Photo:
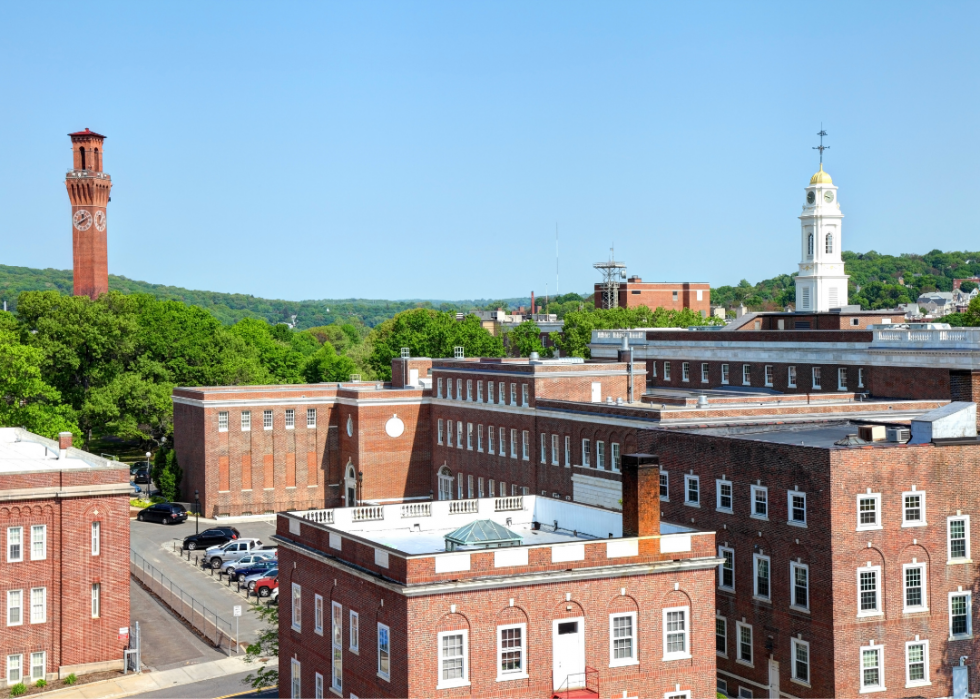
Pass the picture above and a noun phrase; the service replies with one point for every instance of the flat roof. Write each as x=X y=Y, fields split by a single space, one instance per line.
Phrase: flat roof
x=824 y=434
x=22 y=451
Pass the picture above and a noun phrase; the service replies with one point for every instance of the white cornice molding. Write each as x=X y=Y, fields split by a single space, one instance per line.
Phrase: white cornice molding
x=276 y=402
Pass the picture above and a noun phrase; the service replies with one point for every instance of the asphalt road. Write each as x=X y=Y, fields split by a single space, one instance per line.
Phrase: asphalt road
x=167 y=641
x=224 y=687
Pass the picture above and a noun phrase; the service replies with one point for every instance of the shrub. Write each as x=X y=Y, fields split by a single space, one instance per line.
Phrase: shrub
x=71 y=679
x=18 y=689
x=41 y=683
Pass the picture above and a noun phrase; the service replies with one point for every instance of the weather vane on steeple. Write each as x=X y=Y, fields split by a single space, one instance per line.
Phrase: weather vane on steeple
x=821 y=147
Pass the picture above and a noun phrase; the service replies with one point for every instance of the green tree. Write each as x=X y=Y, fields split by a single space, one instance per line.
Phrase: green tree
x=969 y=318
x=326 y=365
x=283 y=363
x=524 y=339
x=265 y=646
x=574 y=339
x=967 y=287
x=166 y=473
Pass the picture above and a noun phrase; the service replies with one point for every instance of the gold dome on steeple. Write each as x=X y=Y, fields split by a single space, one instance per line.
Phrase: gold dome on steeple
x=821 y=177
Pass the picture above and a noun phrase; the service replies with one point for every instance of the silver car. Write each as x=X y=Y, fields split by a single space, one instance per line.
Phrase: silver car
x=216 y=556
x=229 y=567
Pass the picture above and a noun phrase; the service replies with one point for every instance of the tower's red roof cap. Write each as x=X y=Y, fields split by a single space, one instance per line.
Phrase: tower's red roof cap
x=87 y=132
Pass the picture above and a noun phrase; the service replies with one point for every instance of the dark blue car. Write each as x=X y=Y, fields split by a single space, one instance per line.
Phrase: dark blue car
x=257 y=567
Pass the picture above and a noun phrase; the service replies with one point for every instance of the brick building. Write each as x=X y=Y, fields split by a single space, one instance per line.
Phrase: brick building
x=509 y=596
x=88 y=190
x=64 y=515
x=673 y=296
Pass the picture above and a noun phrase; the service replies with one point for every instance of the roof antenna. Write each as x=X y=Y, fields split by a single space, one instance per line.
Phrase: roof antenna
x=821 y=147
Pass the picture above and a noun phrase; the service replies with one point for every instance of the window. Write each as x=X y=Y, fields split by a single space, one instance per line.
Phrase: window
x=469 y=436
x=676 y=633
x=914 y=509
x=615 y=456
x=746 y=374
x=459 y=434
x=223 y=421
x=489 y=391
x=860 y=376
x=449 y=433
x=15 y=607
x=692 y=490
x=490 y=432
x=479 y=391
x=871 y=675
x=318 y=685
x=568 y=452
x=842 y=378
x=459 y=389
x=869 y=507
x=14 y=668
x=479 y=489
x=38 y=666
x=384 y=652
x=800 y=651
x=290 y=418
x=600 y=455
x=96 y=538
x=15 y=544
x=768 y=374
x=469 y=389
x=355 y=632
x=318 y=614
x=524 y=400
x=760 y=502
x=869 y=591
x=761 y=577
x=525 y=446
x=267 y=419
x=914 y=575
x=479 y=438
x=653 y=368
x=723 y=495
x=816 y=377
x=469 y=487
x=809 y=250
x=704 y=372
x=685 y=371
x=799 y=575
x=337 y=646
x=96 y=600
x=675 y=295
x=311 y=417
x=916 y=663
x=666 y=371
x=791 y=377
x=829 y=243
x=459 y=486
x=744 y=643
x=724 y=373
x=246 y=420
x=39 y=605
x=513 y=394
x=453 y=661
x=490 y=487
x=796 y=503
x=958 y=538
x=503 y=442
x=554 y=450
x=726 y=571
x=586 y=455
x=295 y=670
x=297 y=608
x=39 y=542
x=721 y=636
x=500 y=392
x=439 y=431
x=960 y=611
x=664 y=486
x=439 y=388
x=510 y=651
x=622 y=639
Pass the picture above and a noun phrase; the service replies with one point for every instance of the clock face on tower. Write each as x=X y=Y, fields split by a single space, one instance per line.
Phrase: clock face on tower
x=828 y=196
x=810 y=197
x=100 y=221
x=82 y=220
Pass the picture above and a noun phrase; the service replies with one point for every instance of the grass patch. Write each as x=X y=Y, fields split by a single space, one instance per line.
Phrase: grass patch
x=135 y=502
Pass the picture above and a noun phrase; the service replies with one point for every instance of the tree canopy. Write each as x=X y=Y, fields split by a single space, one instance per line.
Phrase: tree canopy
x=574 y=339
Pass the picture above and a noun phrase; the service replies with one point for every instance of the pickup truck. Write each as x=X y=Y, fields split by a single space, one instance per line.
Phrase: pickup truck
x=216 y=556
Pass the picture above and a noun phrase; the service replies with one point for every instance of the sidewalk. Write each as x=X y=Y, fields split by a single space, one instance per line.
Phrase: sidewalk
x=151 y=681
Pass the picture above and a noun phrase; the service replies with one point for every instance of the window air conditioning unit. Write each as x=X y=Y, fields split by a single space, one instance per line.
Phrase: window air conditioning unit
x=899 y=434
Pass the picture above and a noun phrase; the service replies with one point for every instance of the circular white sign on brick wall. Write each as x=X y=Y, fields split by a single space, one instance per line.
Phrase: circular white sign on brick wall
x=395 y=427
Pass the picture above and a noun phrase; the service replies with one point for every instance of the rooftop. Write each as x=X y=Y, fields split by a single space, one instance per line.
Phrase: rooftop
x=22 y=451
x=824 y=435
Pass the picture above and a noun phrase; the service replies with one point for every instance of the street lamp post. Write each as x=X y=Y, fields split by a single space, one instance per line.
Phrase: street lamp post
x=197 y=514
x=149 y=481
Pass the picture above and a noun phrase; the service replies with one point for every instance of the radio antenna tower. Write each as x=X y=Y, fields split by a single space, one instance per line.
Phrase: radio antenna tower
x=612 y=272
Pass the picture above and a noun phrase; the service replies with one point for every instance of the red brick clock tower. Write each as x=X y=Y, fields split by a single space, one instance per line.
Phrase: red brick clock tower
x=88 y=190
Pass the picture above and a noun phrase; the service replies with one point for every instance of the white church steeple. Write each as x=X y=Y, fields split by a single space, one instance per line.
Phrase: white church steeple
x=821 y=284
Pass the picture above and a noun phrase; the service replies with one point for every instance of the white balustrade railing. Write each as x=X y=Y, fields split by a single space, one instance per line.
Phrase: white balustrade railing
x=599 y=335
x=459 y=507
x=417 y=509
x=367 y=513
x=969 y=337
x=321 y=516
x=508 y=503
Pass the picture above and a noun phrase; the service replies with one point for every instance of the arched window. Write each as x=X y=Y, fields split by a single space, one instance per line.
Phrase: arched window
x=350 y=487
x=809 y=245
x=445 y=484
x=96 y=164
x=830 y=243
x=82 y=153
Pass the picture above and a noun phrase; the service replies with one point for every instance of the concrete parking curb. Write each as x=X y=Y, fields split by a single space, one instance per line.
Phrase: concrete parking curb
x=128 y=685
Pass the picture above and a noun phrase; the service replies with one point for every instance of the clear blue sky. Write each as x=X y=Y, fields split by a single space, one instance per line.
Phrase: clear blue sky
x=426 y=150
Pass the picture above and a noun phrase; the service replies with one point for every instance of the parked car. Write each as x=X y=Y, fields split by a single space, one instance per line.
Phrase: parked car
x=211 y=537
x=142 y=476
x=216 y=556
x=267 y=586
x=135 y=489
x=254 y=558
x=139 y=466
x=274 y=597
x=252 y=580
x=164 y=512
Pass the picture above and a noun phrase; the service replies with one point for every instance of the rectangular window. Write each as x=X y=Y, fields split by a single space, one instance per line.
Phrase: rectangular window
x=479 y=487
x=685 y=371
x=723 y=495
x=760 y=502
x=842 y=378
x=664 y=486
x=453 y=662
x=223 y=421
x=768 y=374
x=15 y=544
x=502 y=387
x=384 y=652
x=290 y=418
x=297 y=602
x=311 y=417
x=524 y=396
x=554 y=450
x=459 y=389
x=439 y=388
x=666 y=371
x=490 y=488
x=318 y=614
x=38 y=666
x=355 y=632
x=871 y=675
x=96 y=538
x=469 y=487
x=726 y=571
x=469 y=436
x=490 y=433
x=816 y=377
x=791 y=377
x=568 y=452
x=724 y=373
x=266 y=419
x=39 y=542
x=39 y=605
x=246 y=420
x=860 y=378
x=15 y=607
x=96 y=600
x=439 y=431
x=449 y=433
x=544 y=448
x=914 y=575
x=914 y=509
x=469 y=389
x=615 y=456
x=800 y=651
x=295 y=671
x=600 y=455
x=960 y=613
x=14 y=669
x=692 y=490
x=916 y=663
x=318 y=685
x=513 y=394
x=676 y=633
x=459 y=434
x=746 y=374
x=337 y=646
x=704 y=372
x=511 y=651
x=513 y=443
x=586 y=455
x=796 y=504
x=869 y=591
x=744 y=643
x=761 y=577
x=479 y=438
x=868 y=507
x=479 y=391
x=503 y=442
x=489 y=391
x=958 y=538
x=721 y=636
x=459 y=486
x=622 y=639
x=799 y=575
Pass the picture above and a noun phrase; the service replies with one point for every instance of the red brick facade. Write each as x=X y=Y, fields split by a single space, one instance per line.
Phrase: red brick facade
x=670 y=295
x=88 y=189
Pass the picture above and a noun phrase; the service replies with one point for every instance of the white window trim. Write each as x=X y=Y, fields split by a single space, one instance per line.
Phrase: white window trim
x=719 y=617
x=793 y=565
x=297 y=591
x=705 y=372
x=861 y=380
x=469 y=436
x=691 y=503
x=223 y=417
x=814 y=380
x=439 y=431
x=755 y=576
x=881 y=669
x=317 y=685
x=245 y=420
x=949 y=541
x=718 y=484
x=295 y=679
x=600 y=455
x=20 y=668
x=385 y=677
x=841 y=374
x=746 y=374
x=290 y=418
x=687 y=634
x=925 y=662
x=789 y=509
x=868 y=496
x=502 y=677
x=721 y=567
x=354 y=632
x=11 y=607
x=685 y=371
x=44 y=542
x=622 y=662
x=969 y=614
x=464 y=681
x=318 y=614
x=555 y=456
x=924 y=607
x=880 y=584
x=665 y=498
x=768 y=375
x=793 y=643
x=96 y=600
x=791 y=377
x=738 y=644
x=725 y=373
x=311 y=413
x=922 y=522
x=96 y=535
x=752 y=491
x=272 y=419
x=20 y=557
x=30 y=665
x=44 y=605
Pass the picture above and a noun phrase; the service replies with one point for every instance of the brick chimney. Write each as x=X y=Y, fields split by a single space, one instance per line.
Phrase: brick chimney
x=64 y=444
x=641 y=495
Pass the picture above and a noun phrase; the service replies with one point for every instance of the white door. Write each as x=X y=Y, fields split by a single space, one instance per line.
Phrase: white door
x=773 y=679
x=961 y=682
x=413 y=377
x=596 y=392
x=568 y=651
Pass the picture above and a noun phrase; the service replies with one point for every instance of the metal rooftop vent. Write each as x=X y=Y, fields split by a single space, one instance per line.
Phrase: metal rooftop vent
x=482 y=534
